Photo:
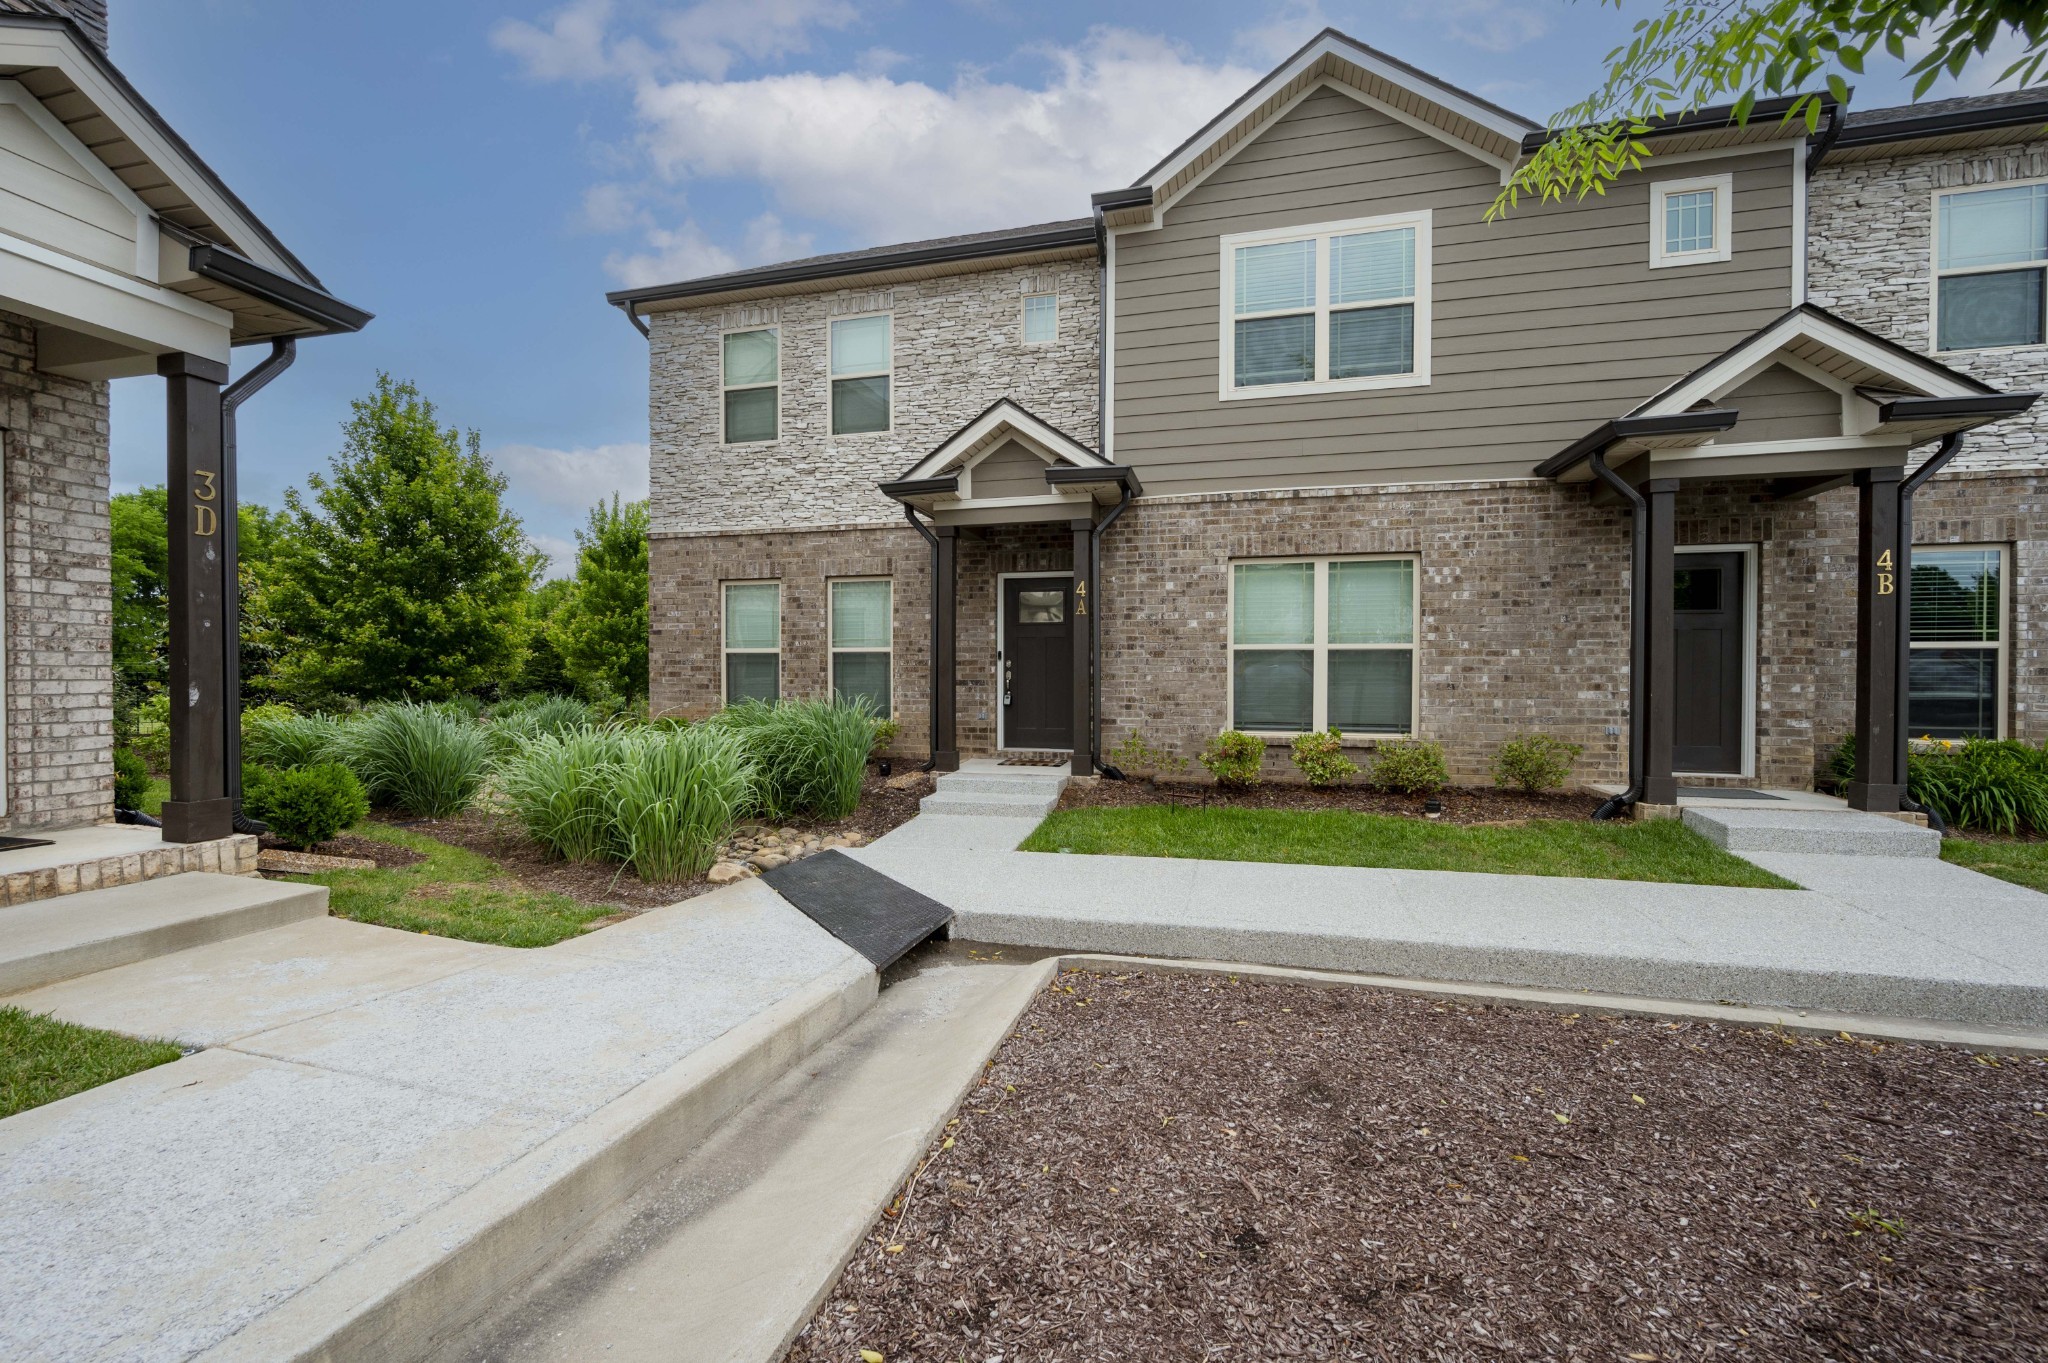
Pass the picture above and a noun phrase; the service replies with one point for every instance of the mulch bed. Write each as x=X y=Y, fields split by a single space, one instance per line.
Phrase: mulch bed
x=1173 y=1167
x=1462 y=804
x=384 y=854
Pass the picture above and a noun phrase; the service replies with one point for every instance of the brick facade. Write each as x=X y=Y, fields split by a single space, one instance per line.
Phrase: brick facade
x=58 y=628
x=958 y=346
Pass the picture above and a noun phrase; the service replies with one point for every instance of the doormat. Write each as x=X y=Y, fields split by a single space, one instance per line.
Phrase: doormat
x=1717 y=793
x=1035 y=759
x=876 y=916
x=16 y=844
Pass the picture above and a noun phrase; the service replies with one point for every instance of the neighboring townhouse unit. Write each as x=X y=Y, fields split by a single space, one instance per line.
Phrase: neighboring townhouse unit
x=1287 y=436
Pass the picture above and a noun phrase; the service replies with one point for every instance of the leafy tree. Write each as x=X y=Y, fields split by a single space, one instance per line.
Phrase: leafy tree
x=544 y=670
x=406 y=575
x=1695 y=54
x=603 y=631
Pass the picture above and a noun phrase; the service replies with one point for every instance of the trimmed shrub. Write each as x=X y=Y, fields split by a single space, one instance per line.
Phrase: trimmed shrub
x=812 y=755
x=1139 y=757
x=1320 y=758
x=676 y=795
x=305 y=806
x=277 y=736
x=886 y=731
x=1996 y=786
x=131 y=778
x=559 y=787
x=1535 y=762
x=1413 y=766
x=1234 y=758
x=418 y=759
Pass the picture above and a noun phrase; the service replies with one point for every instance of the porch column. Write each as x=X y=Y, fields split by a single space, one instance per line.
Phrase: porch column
x=945 y=694
x=1660 y=716
x=1879 y=784
x=198 y=808
x=1083 y=763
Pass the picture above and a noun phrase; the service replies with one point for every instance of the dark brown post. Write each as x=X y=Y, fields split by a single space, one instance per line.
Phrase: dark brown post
x=1660 y=715
x=945 y=599
x=198 y=808
x=1083 y=763
x=1878 y=785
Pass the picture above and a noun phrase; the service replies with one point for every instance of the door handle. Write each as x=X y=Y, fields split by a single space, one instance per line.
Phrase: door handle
x=1006 y=681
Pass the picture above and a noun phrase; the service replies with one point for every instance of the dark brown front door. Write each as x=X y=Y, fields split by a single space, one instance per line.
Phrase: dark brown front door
x=1707 y=653
x=1037 y=663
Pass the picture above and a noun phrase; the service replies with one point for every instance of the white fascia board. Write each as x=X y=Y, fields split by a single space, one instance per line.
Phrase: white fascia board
x=52 y=287
x=1021 y=423
x=56 y=48
x=1759 y=353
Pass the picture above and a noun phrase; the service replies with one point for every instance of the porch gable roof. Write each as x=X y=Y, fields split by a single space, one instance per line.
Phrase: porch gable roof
x=1073 y=472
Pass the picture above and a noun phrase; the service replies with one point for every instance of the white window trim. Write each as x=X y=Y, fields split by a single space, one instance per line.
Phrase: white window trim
x=2004 y=649
x=724 y=387
x=1226 y=379
x=1319 y=709
x=1746 y=768
x=1723 y=187
x=1023 y=317
x=888 y=373
x=1935 y=274
x=725 y=651
x=833 y=650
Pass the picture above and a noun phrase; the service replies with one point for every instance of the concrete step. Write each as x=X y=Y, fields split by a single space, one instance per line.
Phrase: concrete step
x=724 y=1256
x=1828 y=832
x=1034 y=806
x=991 y=783
x=78 y=934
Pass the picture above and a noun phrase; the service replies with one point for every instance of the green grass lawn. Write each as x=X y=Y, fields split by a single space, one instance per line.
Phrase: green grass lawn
x=42 y=1059
x=1662 y=849
x=153 y=798
x=2022 y=863
x=452 y=893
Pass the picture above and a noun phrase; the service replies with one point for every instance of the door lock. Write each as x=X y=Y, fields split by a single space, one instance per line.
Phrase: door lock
x=1006 y=681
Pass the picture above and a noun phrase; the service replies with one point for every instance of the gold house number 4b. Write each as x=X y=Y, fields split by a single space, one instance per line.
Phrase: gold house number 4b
x=1885 y=577
x=205 y=520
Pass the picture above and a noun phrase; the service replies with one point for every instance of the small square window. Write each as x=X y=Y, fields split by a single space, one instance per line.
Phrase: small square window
x=1691 y=221
x=1041 y=319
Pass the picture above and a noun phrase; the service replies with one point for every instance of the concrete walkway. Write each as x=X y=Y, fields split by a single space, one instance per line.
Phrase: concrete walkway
x=388 y=1128
x=1888 y=936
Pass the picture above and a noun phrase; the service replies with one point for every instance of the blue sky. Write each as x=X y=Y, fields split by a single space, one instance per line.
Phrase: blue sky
x=479 y=172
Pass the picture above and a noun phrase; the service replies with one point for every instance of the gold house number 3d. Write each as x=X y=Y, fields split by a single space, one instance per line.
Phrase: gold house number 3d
x=205 y=520
x=1884 y=573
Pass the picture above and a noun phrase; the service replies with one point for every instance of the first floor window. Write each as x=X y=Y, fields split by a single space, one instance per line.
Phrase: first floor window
x=1957 y=672
x=862 y=361
x=1317 y=643
x=751 y=375
x=1991 y=267
x=753 y=641
x=860 y=630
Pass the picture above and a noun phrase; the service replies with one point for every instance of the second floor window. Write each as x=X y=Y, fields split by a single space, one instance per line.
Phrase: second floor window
x=1691 y=221
x=1991 y=267
x=1326 y=308
x=750 y=378
x=1041 y=318
x=861 y=365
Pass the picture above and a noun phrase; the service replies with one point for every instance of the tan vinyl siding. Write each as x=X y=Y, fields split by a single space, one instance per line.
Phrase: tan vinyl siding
x=1779 y=404
x=1011 y=471
x=47 y=197
x=1544 y=324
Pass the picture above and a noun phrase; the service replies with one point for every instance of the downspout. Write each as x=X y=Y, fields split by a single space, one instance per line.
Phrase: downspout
x=634 y=317
x=1639 y=623
x=1951 y=444
x=931 y=729
x=283 y=351
x=1095 y=637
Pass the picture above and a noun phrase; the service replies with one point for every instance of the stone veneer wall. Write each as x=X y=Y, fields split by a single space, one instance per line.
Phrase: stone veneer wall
x=1870 y=259
x=958 y=348
x=59 y=595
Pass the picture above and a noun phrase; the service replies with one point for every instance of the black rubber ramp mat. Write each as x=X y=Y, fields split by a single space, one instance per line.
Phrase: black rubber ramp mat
x=876 y=916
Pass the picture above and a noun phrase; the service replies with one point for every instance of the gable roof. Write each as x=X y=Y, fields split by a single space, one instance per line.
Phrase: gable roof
x=1001 y=421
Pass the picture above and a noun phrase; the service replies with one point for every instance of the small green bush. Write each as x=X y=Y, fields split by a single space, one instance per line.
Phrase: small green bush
x=1535 y=762
x=423 y=760
x=277 y=736
x=131 y=779
x=886 y=732
x=812 y=755
x=1413 y=766
x=1140 y=758
x=1234 y=758
x=1320 y=758
x=305 y=806
x=1996 y=786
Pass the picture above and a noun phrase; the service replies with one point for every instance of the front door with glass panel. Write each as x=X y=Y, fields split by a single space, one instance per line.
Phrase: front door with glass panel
x=1707 y=662
x=1037 y=664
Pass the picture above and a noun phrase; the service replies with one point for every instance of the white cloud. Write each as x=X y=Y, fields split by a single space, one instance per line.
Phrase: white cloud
x=1281 y=33
x=572 y=47
x=573 y=480
x=705 y=39
x=1489 y=25
x=685 y=252
x=561 y=553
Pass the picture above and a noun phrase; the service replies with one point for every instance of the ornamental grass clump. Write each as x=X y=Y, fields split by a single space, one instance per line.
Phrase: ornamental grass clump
x=529 y=717
x=424 y=760
x=812 y=755
x=278 y=736
x=559 y=787
x=1534 y=762
x=676 y=794
x=1413 y=766
x=1320 y=758
x=1993 y=786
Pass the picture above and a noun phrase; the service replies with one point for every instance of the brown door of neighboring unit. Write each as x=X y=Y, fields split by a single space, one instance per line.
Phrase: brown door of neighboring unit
x=1707 y=654
x=1037 y=663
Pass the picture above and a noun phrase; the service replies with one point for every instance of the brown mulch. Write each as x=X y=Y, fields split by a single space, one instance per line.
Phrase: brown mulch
x=1462 y=804
x=351 y=845
x=1163 y=1167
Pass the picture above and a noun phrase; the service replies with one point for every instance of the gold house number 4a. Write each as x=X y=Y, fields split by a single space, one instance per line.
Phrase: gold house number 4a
x=1885 y=577
x=205 y=520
